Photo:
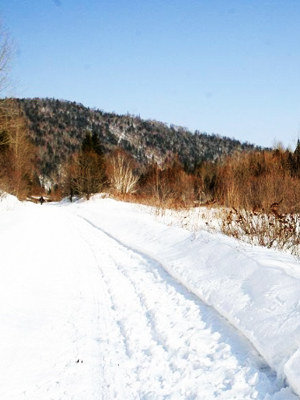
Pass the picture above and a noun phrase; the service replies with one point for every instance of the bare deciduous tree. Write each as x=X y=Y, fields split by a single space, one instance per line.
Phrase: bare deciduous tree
x=169 y=185
x=83 y=175
x=120 y=171
x=90 y=175
x=16 y=150
x=5 y=56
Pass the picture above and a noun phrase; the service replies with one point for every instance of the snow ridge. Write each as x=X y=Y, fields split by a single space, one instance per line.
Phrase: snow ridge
x=256 y=290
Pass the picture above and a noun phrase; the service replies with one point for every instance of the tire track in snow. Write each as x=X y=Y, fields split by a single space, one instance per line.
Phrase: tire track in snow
x=173 y=344
x=110 y=347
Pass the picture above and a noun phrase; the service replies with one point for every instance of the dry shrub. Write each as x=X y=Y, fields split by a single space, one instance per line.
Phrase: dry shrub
x=267 y=229
x=205 y=175
x=252 y=181
x=168 y=187
x=249 y=184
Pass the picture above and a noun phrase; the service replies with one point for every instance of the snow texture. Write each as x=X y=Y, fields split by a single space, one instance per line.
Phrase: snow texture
x=101 y=300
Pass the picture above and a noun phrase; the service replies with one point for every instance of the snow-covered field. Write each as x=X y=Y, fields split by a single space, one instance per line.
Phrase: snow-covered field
x=104 y=300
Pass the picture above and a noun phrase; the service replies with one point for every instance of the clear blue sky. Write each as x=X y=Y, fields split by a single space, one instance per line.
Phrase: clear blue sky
x=220 y=66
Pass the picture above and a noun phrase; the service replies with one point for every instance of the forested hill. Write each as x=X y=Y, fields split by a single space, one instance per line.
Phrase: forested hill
x=58 y=127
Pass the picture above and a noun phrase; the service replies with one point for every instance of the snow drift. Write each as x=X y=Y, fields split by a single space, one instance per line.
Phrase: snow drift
x=256 y=289
x=8 y=202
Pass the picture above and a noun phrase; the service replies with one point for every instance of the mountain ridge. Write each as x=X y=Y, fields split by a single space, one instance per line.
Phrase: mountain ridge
x=58 y=127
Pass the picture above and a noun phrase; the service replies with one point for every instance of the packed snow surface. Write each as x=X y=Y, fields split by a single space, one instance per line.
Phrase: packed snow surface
x=103 y=300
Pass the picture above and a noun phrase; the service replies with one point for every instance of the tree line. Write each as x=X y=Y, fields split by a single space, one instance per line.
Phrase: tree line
x=250 y=181
x=244 y=180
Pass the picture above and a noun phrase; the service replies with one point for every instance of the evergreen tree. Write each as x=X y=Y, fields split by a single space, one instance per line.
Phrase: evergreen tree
x=297 y=158
x=87 y=144
x=297 y=150
x=92 y=143
x=96 y=146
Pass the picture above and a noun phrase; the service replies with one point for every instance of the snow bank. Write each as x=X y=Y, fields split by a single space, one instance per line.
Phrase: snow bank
x=256 y=289
x=8 y=202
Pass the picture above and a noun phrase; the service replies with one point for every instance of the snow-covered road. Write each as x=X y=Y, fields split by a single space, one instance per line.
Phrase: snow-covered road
x=85 y=317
